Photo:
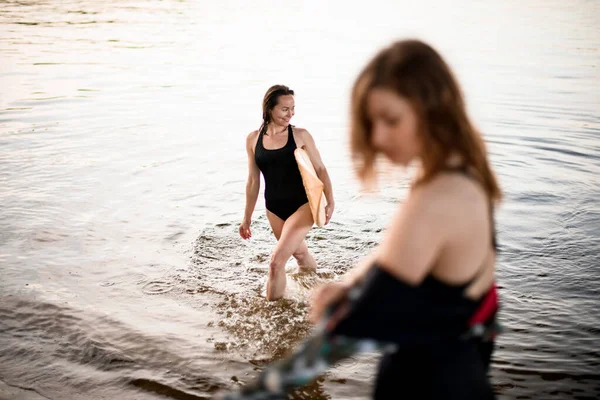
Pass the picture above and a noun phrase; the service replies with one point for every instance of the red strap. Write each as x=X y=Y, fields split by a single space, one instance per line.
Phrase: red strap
x=489 y=306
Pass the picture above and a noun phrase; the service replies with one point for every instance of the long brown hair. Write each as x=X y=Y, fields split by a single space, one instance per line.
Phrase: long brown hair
x=415 y=71
x=270 y=100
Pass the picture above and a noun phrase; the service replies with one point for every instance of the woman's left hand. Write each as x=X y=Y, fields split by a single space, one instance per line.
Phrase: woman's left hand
x=323 y=297
x=329 y=212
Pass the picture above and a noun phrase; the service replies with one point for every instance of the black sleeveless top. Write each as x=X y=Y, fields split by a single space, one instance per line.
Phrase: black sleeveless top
x=387 y=309
x=279 y=168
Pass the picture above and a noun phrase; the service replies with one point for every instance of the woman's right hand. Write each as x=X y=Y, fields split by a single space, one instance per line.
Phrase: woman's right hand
x=324 y=297
x=245 y=232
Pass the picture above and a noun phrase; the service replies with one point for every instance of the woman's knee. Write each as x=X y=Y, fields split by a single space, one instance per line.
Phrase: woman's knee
x=301 y=255
x=277 y=263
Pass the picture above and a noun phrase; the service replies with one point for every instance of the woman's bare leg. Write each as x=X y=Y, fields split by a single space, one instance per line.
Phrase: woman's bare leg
x=305 y=260
x=291 y=237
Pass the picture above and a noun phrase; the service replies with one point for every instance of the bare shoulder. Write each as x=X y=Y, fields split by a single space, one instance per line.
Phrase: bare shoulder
x=301 y=131
x=454 y=197
x=302 y=136
x=252 y=136
x=251 y=139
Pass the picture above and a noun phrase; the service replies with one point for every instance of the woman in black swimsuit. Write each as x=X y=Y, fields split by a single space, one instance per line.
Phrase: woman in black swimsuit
x=429 y=285
x=271 y=151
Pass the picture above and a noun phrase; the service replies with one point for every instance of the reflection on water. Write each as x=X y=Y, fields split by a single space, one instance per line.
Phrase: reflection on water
x=122 y=175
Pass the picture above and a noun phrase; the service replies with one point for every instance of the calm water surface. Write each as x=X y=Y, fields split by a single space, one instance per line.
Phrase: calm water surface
x=122 y=174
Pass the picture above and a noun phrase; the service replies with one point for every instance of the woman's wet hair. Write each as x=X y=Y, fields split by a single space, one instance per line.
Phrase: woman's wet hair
x=270 y=100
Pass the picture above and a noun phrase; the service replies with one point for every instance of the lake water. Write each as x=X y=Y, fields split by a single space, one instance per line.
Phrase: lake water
x=122 y=178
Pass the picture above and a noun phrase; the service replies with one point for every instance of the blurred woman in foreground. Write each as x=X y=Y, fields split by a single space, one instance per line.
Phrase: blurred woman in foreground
x=429 y=285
